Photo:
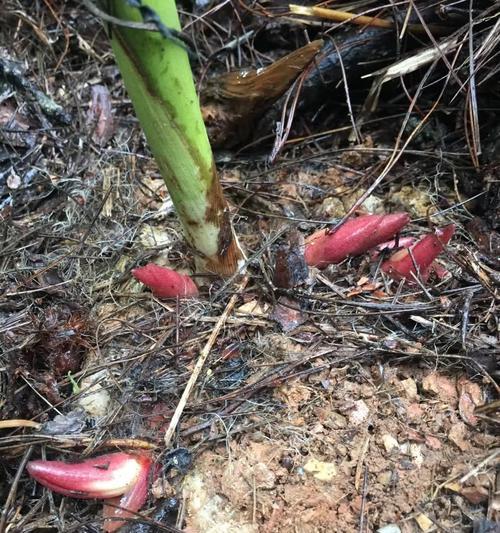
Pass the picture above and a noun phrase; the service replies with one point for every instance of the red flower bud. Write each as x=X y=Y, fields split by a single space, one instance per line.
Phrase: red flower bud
x=133 y=500
x=354 y=237
x=402 y=264
x=165 y=282
x=101 y=477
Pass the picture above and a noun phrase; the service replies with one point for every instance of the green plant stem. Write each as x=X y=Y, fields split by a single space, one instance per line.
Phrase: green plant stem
x=158 y=78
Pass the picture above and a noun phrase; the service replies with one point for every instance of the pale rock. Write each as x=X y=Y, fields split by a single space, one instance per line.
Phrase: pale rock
x=389 y=528
x=358 y=413
x=332 y=208
x=424 y=523
x=416 y=454
x=385 y=478
x=390 y=443
x=409 y=388
x=93 y=397
x=321 y=470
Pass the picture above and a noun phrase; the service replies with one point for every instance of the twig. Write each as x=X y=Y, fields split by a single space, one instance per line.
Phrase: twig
x=231 y=45
x=156 y=26
x=361 y=460
x=471 y=109
x=478 y=467
x=360 y=20
x=469 y=474
x=363 y=501
x=18 y=423
x=465 y=316
x=347 y=96
x=265 y=246
x=133 y=24
x=15 y=77
x=200 y=363
x=13 y=488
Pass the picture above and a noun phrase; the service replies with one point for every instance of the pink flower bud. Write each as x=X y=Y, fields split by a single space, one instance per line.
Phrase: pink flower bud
x=354 y=237
x=133 y=500
x=402 y=264
x=106 y=476
x=165 y=282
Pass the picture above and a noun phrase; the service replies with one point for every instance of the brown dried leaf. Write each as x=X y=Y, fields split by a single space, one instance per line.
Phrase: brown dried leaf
x=288 y=314
x=442 y=386
x=290 y=267
x=100 y=115
x=475 y=495
x=459 y=436
x=471 y=397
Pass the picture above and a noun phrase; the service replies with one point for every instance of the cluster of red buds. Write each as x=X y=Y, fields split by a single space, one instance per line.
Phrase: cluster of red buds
x=368 y=233
x=120 y=479
x=373 y=233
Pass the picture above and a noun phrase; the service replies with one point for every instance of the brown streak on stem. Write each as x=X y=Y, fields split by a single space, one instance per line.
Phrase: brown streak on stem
x=225 y=261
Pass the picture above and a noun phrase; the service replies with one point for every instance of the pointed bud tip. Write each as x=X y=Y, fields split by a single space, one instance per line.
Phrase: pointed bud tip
x=131 y=502
x=101 y=477
x=401 y=265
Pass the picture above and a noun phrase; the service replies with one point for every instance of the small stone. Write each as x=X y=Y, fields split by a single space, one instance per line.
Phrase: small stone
x=94 y=398
x=423 y=522
x=321 y=470
x=414 y=411
x=332 y=208
x=441 y=386
x=389 y=528
x=13 y=181
x=416 y=454
x=358 y=412
x=458 y=435
x=409 y=388
x=390 y=443
x=341 y=450
x=385 y=478
x=287 y=462
x=336 y=421
x=466 y=408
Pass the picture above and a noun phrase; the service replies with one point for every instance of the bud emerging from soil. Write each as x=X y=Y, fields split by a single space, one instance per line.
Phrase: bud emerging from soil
x=133 y=500
x=106 y=476
x=164 y=282
x=354 y=237
x=404 y=263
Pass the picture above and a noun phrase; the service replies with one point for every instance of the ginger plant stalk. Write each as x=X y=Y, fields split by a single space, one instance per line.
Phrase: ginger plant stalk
x=158 y=78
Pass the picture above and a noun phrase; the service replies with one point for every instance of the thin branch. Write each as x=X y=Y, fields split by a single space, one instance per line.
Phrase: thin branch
x=201 y=363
